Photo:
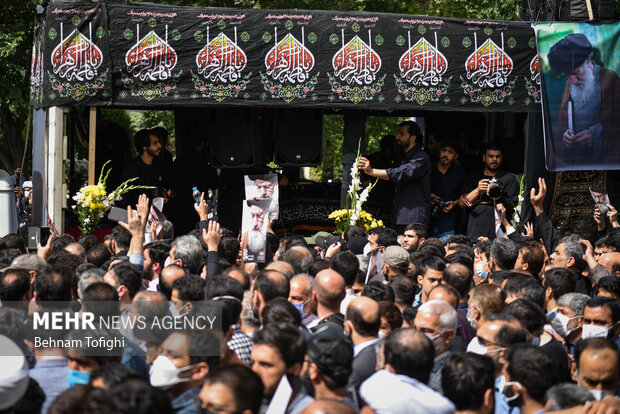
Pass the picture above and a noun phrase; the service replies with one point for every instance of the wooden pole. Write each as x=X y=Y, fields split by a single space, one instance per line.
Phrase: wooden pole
x=92 y=134
x=590 y=14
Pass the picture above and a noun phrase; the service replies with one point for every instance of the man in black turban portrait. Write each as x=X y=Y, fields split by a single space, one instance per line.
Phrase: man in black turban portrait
x=591 y=99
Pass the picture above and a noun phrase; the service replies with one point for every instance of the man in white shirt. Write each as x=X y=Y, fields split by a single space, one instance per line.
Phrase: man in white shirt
x=400 y=387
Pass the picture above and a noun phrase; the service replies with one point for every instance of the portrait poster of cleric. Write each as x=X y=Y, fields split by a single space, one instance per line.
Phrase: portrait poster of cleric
x=579 y=64
x=254 y=230
x=260 y=187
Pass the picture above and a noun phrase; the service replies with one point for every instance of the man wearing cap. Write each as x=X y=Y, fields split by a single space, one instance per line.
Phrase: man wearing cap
x=33 y=263
x=328 y=364
x=593 y=94
x=395 y=262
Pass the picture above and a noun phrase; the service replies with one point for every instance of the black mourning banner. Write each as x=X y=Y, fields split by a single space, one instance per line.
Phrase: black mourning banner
x=71 y=60
x=144 y=55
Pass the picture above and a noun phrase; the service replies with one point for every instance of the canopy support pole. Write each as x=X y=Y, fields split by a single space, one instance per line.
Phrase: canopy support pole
x=92 y=140
x=56 y=156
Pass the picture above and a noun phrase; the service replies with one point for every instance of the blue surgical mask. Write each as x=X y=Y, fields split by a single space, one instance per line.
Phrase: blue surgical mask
x=77 y=377
x=480 y=271
x=300 y=307
x=536 y=341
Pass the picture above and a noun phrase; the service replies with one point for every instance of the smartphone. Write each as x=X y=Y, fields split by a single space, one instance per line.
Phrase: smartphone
x=118 y=214
x=37 y=235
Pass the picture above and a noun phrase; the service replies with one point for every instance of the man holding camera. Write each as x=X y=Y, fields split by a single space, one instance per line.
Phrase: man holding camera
x=446 y=182
x=486 y=192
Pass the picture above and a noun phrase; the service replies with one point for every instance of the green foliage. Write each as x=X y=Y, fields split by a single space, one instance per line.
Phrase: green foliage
x=155 y=118
x=377 y=127
x=122 y=118
x=331 y=169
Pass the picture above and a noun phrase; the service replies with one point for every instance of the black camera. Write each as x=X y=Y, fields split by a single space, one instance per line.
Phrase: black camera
x=438 y=206
x=495 y=188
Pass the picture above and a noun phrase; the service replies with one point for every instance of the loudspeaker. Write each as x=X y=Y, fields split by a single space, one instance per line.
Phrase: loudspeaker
x=235 y=137
x=298 y=135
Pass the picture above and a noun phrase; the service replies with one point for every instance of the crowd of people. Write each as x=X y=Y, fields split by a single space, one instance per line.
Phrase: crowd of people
x=415 y=318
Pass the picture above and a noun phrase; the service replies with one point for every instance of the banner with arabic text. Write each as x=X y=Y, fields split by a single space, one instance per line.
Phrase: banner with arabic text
x=182 y=56
x=71 y=62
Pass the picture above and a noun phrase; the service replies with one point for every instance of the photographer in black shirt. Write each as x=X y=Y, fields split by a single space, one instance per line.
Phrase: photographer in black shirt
x=484 y=191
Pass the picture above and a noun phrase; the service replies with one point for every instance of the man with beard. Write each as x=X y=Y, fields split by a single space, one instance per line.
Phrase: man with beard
x=264 y=189
x=484 y=211
x=446 y=181
x=255 y=238
x=412 y=176
x=592 y=95
x=155 y=255
x=147 y=166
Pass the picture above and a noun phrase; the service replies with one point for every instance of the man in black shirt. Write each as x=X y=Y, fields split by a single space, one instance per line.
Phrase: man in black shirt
x=147 y=166
x=483 y=209
x=446 y=181
x=411 y=175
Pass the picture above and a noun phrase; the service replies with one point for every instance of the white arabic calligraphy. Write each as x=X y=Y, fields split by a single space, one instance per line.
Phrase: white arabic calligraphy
x=76 y=57
x=356 y=61
x=535 y=69
x=488 y=65
x=289 y=60
x=151 y=57
x=221 y=60
x=423 y=63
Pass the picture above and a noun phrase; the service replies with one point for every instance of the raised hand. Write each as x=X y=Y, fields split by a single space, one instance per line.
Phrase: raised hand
x=212 y=236
x=202 y=208
x=537 y=198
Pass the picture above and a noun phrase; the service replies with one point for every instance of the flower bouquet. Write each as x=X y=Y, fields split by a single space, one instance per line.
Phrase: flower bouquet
x=516 y=218
x=353 y=213
x=93 y=201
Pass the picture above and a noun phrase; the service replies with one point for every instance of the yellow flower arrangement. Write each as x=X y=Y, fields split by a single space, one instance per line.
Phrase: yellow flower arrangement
x=365 y=220
x=353 y=213
x=92 y=201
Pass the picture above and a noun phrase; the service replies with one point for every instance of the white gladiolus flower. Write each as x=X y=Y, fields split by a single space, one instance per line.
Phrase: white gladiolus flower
x=364 y=196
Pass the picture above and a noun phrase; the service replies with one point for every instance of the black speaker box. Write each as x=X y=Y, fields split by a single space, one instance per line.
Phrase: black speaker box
x=298 y=136
x=235 y=137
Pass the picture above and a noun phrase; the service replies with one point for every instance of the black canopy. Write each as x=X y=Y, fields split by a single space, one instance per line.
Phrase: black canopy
x=142 y=55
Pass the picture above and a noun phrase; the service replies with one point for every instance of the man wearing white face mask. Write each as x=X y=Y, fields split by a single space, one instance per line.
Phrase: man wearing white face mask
x=600 y=319
x=529 y=374
x=567 y=322
x=185 y=360
x=437 y=320
x=597 y=367
x=494 y=335
x=557 y=282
